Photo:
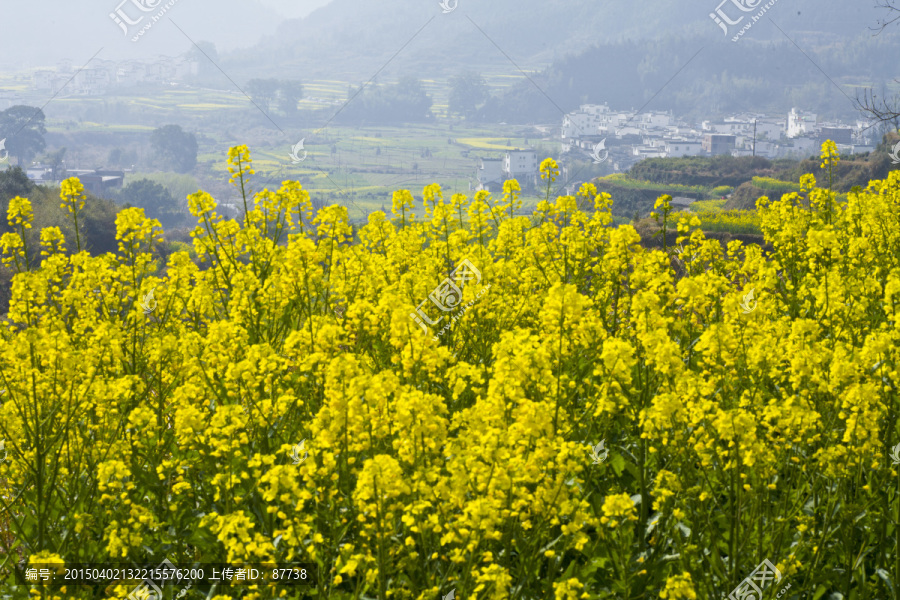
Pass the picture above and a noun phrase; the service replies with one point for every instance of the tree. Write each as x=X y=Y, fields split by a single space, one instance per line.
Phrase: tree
x=886 y=111
x=404 y=101
x=289 y=93
x=121 y=158
x=22 y=128
x=99 y=225
x=893 y=13
x=54 y=160
x=14 y=182
x=174 y=149
x=468 y=91
x=263 y=92
x=206 y=56
x=413 y=103
x=156 y=200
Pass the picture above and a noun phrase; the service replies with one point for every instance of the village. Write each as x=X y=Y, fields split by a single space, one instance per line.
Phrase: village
x=621 y=139
x=613 y=140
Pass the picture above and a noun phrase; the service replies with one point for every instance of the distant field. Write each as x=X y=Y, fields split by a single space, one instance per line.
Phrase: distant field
x=364 y=164
x=89 y=126
x=370 y=163
x=490 y=143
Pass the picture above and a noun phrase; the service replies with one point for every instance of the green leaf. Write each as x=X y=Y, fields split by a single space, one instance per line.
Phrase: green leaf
x=618 y=464
x=886 y=578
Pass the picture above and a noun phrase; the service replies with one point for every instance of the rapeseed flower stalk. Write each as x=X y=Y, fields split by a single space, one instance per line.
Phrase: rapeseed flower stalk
x=72 y=195
x=830 y=158
x=240 y=165
x=13 y=247
x=550 y=171
x=663 y=202
x=679 y=587
x=462 y=461
x=401 y=204
x=19 y=215
x=510 y=201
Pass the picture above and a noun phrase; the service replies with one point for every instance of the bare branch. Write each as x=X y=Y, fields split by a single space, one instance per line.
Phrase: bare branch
x=893 y=13
x=882 y=110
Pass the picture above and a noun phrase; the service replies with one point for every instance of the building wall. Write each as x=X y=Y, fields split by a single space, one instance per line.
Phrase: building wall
x=679 y=149
x=838 y=135
x=800 y=123
x=718 y=144
x=772 y=131
x=491 y=170
x=578 y=124
x=520 y=163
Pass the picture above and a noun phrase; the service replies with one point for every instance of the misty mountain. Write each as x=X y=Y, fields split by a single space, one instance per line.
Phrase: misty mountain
x=692 y=79
x=357 y=38
x=41 y=34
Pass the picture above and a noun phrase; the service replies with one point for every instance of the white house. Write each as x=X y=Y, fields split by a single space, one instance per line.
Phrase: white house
x=90 y=81
x=764 y=148
x=628 y=130
x=727 y=127
x=43 y=79
x=643 y=152
x=652 y=120
x=802 y=147
x=39 y=173
x=771 y=129
x=595 y=110
x=490 y=174
x=130 y=73
x=679 y=148
x=519 y=163
x=799 y=123
x=584 y=121
x=578 y=124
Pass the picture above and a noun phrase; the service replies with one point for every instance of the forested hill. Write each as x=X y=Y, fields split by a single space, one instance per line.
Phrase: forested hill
x=589 y=51
x=358 y=37
x=703 y=80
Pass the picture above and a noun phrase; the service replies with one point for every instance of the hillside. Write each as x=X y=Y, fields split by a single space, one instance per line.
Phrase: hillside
x=711 y=78
x=356 y=38
x=744 y=179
